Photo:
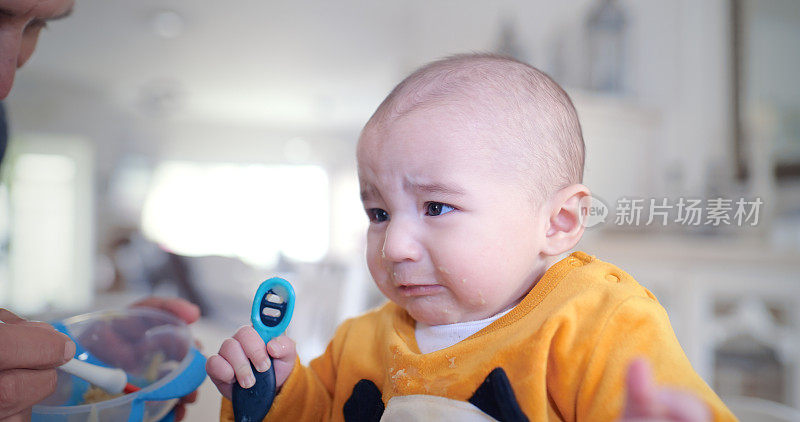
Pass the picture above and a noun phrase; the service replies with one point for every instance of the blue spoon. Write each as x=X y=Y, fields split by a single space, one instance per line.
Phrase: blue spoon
x=272 y=310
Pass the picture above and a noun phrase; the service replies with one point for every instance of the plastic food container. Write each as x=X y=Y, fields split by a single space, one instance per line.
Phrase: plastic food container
x=156 y=350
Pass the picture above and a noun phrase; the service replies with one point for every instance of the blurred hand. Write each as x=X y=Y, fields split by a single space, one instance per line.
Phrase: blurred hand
x=29 y=353
x=189 y=313
x=181 y=308
x=647 y=402
x=232 y=363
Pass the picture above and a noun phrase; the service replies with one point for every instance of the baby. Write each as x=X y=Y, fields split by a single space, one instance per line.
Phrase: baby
x=470 y=175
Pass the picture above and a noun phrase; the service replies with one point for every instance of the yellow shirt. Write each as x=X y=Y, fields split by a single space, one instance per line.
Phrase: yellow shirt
x=565 y=350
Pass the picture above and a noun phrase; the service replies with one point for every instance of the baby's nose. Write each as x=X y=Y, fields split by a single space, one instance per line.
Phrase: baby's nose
x=401 y=243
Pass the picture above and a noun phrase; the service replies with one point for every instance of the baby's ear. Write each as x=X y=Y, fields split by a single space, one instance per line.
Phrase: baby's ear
x=566 y=215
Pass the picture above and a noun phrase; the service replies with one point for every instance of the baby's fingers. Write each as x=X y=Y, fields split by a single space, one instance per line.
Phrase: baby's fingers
x=232 y=352
x=221 y=374
x=282 y=350
x=282 y=347
x=253 y=346
x=641 y=395
x=682 y=406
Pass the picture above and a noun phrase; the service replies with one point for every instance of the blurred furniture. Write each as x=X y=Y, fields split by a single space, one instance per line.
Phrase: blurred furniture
x=147 y=268
x=749 y=409
x=734 y=303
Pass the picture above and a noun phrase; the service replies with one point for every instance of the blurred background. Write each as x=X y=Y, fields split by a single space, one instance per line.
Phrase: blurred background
x=196 y=148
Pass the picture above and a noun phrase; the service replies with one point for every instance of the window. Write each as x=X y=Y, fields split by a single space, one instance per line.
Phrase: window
x=49 y=256
x=253 y=212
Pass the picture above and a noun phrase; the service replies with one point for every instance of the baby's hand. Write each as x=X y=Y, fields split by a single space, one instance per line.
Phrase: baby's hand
x=648 y=402
x=232 y=363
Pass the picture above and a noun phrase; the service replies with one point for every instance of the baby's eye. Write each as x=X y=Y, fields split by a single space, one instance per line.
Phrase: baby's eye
x=377 y=215
x=437 y=208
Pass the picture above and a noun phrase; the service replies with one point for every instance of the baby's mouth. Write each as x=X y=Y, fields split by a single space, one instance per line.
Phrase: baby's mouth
x=412 y=290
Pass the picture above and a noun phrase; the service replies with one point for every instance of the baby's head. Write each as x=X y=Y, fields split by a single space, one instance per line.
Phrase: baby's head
x=470 y=174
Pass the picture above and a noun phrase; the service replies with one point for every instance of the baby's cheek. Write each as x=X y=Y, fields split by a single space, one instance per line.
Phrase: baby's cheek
x=380 y=279
x=478 y=299
x=466 y=292
x=476 y=296
x=375 y=265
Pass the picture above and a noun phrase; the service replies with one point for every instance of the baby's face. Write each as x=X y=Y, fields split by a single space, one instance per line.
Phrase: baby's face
x=451 y=238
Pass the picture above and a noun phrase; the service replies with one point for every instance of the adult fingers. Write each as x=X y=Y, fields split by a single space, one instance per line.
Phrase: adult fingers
x=101 y=340
x=38 y=324
x=22 y=388
x=183 y=309
x=33 y=347
x=232 y=351
x=180 y=412
x=23 y=416
x=180 y=408
x=253 y=346
x=9 y=317
x=168 y=340
x=189 y=398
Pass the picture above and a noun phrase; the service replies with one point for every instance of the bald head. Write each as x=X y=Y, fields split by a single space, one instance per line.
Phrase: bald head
x=518 y=110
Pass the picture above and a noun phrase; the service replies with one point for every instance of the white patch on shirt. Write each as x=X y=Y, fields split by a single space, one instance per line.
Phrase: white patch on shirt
x=431 y=338
x=422 y=408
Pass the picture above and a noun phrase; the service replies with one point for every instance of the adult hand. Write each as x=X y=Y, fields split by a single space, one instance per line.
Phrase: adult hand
x=181 y=308
x=29 y=353
x=189 y=313
x=647 y=402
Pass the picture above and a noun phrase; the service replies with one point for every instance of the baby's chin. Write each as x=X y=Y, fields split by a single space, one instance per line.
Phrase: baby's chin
x=432 y=313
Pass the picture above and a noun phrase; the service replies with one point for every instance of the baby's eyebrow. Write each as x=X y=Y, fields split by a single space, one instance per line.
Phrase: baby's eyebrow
x=435 y=188
x=368 y=193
